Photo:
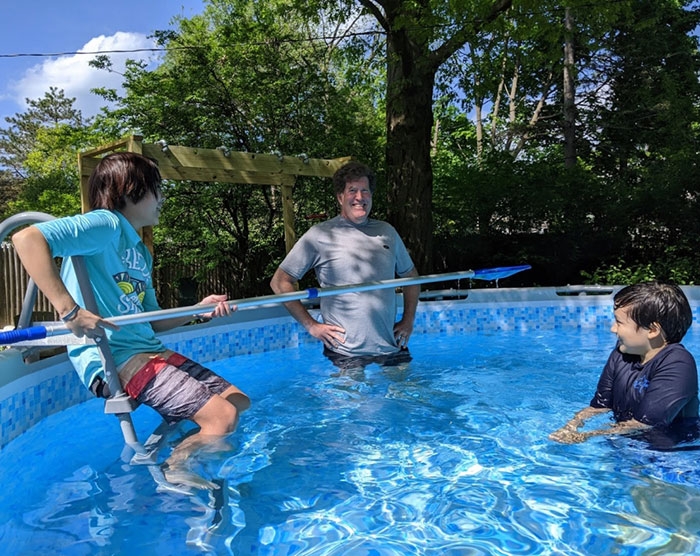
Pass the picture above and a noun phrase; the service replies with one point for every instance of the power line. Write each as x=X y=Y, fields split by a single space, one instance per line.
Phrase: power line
x=591 y=4
x=171 y=48
x=75 y=53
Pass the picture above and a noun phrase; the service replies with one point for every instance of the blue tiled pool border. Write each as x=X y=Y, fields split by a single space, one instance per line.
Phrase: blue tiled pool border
x=51 y=385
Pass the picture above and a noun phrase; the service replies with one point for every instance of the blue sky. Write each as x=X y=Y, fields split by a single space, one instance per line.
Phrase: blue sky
x=51 y=27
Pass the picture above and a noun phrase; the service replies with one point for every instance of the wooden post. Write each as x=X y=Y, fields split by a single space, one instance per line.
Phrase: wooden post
x=83 y=186
x=134 y=144
x=290 y=236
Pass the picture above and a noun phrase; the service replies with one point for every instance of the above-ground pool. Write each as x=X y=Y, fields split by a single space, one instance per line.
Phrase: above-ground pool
x=446 y=455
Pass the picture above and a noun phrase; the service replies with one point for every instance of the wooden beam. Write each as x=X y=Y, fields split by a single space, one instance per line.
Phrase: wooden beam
x=175 y=159
x=177 y=163
x=120 y=145
x=217 y=165
x=224 y=176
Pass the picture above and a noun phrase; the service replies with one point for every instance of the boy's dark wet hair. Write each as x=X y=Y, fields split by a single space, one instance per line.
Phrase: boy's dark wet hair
x=121 y=176
x=660 y=303
x=353 y=171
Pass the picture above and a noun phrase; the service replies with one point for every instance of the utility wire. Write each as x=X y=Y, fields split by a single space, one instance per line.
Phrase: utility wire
x=171 y=48
x=586 y=5
x=73 y=53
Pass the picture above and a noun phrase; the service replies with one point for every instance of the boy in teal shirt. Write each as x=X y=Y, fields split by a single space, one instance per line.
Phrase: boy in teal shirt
x=125 y=196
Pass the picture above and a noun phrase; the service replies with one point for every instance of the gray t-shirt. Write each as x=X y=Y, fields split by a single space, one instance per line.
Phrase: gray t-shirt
x=343 y=253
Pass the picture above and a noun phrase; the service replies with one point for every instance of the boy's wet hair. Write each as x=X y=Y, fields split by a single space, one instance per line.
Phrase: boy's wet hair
x=353 y=171
x=121 y=176
x=660 y=303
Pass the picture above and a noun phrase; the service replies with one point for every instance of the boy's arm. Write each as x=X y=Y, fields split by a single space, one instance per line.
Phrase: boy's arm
x=222 y=309
x=35 y=254
x=568 y=434
x=575 y=437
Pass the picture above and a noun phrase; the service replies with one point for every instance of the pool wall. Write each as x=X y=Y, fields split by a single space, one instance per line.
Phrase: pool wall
x=30 y=392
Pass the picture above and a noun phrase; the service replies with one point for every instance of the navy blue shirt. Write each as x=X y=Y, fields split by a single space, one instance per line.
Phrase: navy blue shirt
x=660 y=392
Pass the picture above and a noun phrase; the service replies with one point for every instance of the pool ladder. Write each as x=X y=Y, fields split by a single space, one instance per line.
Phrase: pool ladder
x=119 y=403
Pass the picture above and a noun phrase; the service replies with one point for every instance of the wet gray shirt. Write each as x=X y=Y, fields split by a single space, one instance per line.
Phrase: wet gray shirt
x=343 y=253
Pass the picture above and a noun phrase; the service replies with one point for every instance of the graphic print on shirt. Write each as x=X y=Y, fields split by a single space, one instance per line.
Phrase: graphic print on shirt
x=134 y=289
x=641 y=384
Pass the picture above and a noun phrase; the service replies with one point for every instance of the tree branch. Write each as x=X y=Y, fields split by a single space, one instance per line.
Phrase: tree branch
x=462 y=35
x=377 y=13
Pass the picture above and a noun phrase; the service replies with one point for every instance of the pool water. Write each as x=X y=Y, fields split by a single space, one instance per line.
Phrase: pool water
x=448 y=455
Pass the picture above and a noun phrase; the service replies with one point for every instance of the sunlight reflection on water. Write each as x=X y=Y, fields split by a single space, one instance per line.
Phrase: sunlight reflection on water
x=448 y=455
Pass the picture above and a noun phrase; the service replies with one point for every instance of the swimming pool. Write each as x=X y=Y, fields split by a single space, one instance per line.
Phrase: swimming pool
x=446 y=456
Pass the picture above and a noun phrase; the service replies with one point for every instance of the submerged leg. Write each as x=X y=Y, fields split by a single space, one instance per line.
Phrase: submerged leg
x=217 y=419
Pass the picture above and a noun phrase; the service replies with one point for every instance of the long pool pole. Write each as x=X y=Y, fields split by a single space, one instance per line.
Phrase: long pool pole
x=42 y=331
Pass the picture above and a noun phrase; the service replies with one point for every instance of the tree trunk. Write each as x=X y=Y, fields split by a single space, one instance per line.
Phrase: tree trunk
x=409 y=121
x=569 y=101
x=411 y=68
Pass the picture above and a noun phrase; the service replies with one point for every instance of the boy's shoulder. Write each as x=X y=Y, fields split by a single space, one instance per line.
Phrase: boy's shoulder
x=101 y=215
x=674 y=354
x=679 y=349
x=82 y=222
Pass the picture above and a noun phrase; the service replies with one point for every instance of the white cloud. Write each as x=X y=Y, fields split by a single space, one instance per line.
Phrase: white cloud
x=73 y=74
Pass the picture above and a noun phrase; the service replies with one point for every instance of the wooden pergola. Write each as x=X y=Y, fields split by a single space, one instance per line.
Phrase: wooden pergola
x=217 y=165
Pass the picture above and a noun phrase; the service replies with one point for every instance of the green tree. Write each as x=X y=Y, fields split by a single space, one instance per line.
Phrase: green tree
x=306 y=77
x=421 y=37
x=39 y=151
x=9 y=191
x=602 y=210
x=247 y=76
x=645 y=129
x=51 y=184
x=19 y=138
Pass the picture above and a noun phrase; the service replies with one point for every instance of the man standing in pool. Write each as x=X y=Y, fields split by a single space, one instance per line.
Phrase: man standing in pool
x=125 y=196
x=650 y=379
x=358 y=328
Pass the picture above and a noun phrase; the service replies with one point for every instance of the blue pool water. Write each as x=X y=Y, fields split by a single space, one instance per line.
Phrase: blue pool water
x=447 y=456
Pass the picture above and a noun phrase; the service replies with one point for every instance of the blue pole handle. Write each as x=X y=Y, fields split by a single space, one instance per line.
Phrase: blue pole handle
x=22 y=335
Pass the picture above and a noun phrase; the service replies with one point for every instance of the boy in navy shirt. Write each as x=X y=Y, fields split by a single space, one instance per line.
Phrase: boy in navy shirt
x=650 y=379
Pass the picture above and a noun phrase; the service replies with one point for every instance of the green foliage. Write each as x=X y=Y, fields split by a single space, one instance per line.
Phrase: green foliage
x=257 y=76
x=620 y=274
x=501 y=188
x=9 y=192
x=677 y=263
x=250 y=76
x=682 y=271
x=50 y=193
x=17 y=141
x=654 y=91
x=40 y=152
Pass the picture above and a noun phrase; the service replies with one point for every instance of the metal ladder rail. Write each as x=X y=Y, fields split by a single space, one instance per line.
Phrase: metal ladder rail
x=119 y=403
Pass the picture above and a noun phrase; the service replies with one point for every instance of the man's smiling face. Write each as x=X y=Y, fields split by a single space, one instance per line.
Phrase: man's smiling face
x=356 y=201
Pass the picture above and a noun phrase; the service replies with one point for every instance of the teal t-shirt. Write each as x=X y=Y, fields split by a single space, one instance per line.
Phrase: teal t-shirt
x=119 y=266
